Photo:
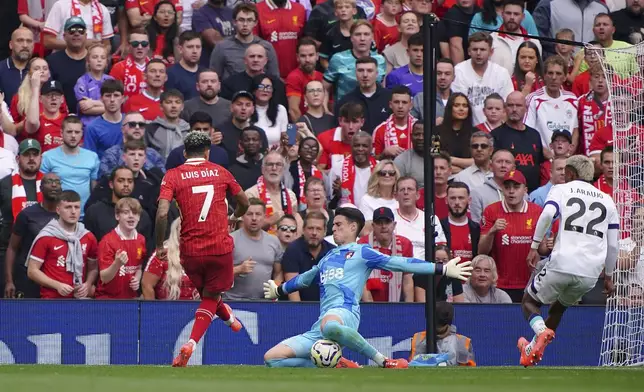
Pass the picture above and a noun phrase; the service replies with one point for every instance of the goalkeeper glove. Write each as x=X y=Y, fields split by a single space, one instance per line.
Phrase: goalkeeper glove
x=270 y=290
x=457 y=271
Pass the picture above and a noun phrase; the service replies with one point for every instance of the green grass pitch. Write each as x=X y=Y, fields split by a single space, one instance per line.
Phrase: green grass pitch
x=45 y=378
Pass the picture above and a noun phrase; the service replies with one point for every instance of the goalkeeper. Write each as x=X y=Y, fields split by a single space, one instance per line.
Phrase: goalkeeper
x=342 y=275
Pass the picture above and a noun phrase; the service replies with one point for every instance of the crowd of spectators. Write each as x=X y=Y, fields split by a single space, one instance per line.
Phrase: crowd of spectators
x=311 y=105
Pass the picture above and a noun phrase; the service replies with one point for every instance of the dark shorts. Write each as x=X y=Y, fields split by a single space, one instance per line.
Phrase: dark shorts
x=213 y=273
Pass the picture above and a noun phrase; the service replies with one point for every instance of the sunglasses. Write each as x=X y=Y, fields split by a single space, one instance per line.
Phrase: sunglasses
x=265 y=87
x=74 y=30
x=291 y=229
x=387 y=173
x=136 y=44
x=134 y=124
x=483 y=146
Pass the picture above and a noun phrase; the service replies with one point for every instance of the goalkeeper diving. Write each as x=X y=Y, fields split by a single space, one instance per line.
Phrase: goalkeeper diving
x=342 y=275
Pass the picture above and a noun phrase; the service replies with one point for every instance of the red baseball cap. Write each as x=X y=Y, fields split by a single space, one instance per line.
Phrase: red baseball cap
x=516 y=176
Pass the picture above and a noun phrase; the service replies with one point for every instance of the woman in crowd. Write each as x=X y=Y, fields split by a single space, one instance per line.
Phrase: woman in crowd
x=528 y=69
x=396 y=54
x=315 y=194
x=381 y=191
x=447 y=289
x=456 y=130
x=490 y=18
x=165 y=279
x=304 y=167
x=163 y=32
x=88 y=86
x=269 y=115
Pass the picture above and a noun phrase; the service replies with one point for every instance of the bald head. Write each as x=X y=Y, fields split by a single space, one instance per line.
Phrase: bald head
x=21 y=45
x=255 y=59
x=515 y=108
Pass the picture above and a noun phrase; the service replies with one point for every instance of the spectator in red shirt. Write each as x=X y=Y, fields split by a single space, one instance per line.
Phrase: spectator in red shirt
x=393 y=136
x=131 y=70
x=148 y=101
x=385 y=26
x=46 y=125
x=336 y=143
x=121 y=253
x=139 y=12
x=161 y=282
x=62 y=259
x=494 y=111
x=386 y=286
x=560 y=146
x=162 y=30
x=581 y=85
x=281 y=22
x=593 y=109
x=296 y=81
x=462 y=233
x=442 y=171
x=506 y=234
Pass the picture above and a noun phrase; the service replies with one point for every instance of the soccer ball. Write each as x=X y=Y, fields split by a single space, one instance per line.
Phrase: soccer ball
x=326 y=353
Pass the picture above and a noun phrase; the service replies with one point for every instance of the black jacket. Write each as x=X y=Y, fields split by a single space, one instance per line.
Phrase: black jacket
x=475 y=234
x=322 y=17
x=243 y=81
x=246 y=173
x=376 y=107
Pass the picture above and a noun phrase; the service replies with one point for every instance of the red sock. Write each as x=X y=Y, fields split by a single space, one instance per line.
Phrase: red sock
x=203 y=318
x=223 y=313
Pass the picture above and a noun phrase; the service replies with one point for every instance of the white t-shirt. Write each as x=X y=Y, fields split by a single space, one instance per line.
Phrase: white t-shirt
x=545 y=114
x=496 y=79
x=504 y=49
x=359 y=186
x=586 y=216
x=62 y=10
x=10 y=143
x=7 y=162
x=414 y=231
x=369 y=203
x=273 y=133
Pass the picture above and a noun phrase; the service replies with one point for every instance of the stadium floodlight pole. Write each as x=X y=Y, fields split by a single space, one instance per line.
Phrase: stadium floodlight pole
x=430 y=33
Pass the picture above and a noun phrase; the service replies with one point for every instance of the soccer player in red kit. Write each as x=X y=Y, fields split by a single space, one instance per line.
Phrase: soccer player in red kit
x=62 y=259
x=121 y=253
x=199 y=188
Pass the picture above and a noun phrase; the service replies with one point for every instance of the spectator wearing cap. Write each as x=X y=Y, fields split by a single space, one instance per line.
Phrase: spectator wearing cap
x=208 y=100
x=411 y=162
x=13 y=69
x=214 y=21
x=491 y=191
x=315 y=118
x=76 y=166
x=105 y=131
x=183 y=76
x=227 y=58
x=69 y=63
x=45 y=126
x=481 y=287
x=242 y=108
x=166 y=132
x=386 y=286
x=410 y=75
x=247 y=168
x=255 y=60
x=560 y=146
x=298 y=79
x=131 y=70
x=369 y=93
x=539 y=195
x=461 y=232
x=148 y=101
x=200 y=121
x=132 y=128
x=88 y=86
x=95 y=18
x=507 y=227
x=522 y=140
x=444 y=80
x=482 y=146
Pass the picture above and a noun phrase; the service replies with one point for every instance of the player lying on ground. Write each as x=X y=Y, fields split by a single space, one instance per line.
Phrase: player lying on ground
x=199 y=188
x=587 y=243
x=342 y=275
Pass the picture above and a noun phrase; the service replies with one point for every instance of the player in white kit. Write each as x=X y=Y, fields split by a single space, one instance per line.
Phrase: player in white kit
x=586 y=244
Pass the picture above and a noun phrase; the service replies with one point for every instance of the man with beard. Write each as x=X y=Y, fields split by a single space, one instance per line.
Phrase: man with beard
x=214 y=21
x=13 y=68
x=148 y=101
x=255 y=60
x=183 y=76
x=77 y=167
x=482 y=145
x=411 y=162
x=298 y=79
x=444 y=80
x=200 y=121
x=462 y=233
x=248 y=166
x=629 y=22
x=25 y=229
x=131 y=70
x=305 y=252
x=208 y=101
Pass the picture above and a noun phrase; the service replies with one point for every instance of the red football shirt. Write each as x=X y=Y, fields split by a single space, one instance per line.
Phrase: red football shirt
x=381 y=283
x=150 y=108
x=544 y=172
x=440 y=205
x=379 y=134
x=18 y=117
x=511 y=246
x=333 y=149
x=461 y=240
x=200 y=187
x=581 y=84
x=131 y=75
x=159 y=268
x=384 y=35
x=147 y=7
x=51 y=252
x=592 y=116
x=296 y=82
x=625 y=200
x=282 y=27
x=119 y=286
x=50 y=134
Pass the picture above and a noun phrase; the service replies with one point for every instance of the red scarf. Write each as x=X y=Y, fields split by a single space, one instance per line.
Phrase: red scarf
x=19 y=195
x=391 y=132
x=133 y=77
x=97 y=16
x=349 y=176
x=302 y=179
x=521 y=30
x=265 y=196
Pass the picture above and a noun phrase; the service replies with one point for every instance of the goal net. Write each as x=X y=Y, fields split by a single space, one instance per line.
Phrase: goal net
x=623 y=334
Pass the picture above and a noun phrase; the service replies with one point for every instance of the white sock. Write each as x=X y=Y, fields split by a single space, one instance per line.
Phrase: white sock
x=194 y=344
x=530 y=346
x=538 y=325
x=379 y=359
x=230 y=321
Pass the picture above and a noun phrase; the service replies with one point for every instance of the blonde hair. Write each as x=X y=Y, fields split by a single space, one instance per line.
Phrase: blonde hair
x=373 y=188
x=24 y=91
x=128 y=203
x=480 y=258
x=175 y=270
x=89 y=52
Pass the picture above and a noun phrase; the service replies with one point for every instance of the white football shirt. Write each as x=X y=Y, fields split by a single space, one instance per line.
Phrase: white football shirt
x=414 y=231
x=587 y=214
x=546 y=114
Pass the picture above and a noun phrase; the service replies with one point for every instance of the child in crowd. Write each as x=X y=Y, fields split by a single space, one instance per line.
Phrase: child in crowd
x=494 y=110
x=88 y=86
x=567 y=53
x=338 y=37
x=385 y=25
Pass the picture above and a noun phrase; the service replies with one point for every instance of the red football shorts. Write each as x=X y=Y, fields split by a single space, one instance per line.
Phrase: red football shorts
x=213 y=273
